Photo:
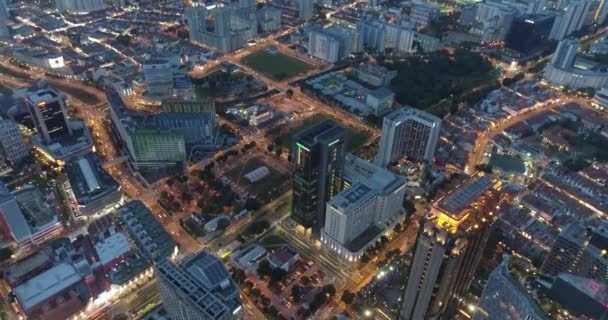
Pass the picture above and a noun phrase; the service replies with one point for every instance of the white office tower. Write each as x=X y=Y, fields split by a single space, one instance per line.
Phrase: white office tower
x=357 y=216
x=79 y=6
x=199 y=287
x=305 y=9
x=494 y=20
x=571 y=19
x=408 y=133
x=12 y=146
x=158 y=75
x=564 y=55
x=423 y=13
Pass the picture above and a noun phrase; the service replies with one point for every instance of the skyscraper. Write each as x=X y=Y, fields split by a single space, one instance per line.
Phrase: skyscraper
x=199 y=287
x=571 y=19
x=305 y=9
x=409 y=133
x=579 y=250
x=504 y=298
x=319 y=163
x=49 y=114
x=564 y=55
x=450 y=243
x=11 y=142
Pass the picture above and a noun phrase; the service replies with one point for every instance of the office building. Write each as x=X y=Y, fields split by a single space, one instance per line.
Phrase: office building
x=450 y=243
x=144 y=230
x=493 y=20
x=581 y=297
x=49 y=114
x=571 y=18
x=579 y=250
x=27 y=218
x=564 y=55
x=79 y=6
x=529 y=34
x=158 y=75
x=13 y=148
x=198 y=287
x=153 y=149
x=601 y=13
x=334 y=42
x=89 y=187
x=305 y=9
x=408 y=133
x=504 y=298
x=357 y=216
x=374 y=75
x=319 y=164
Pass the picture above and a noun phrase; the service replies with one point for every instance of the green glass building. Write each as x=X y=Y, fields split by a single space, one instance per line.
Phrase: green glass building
x=319 y=154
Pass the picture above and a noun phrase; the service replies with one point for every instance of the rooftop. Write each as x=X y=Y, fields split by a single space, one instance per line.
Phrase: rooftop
x=323 y=132
x=45 y=285
x=88 y=179
x=112 y=247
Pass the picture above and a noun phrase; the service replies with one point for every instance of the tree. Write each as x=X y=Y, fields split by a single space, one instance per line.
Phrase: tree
x=121 y=316
x=289 y=93
x=270 y=148
x=5 y=254
x=238 y=275
x=252 y=205
x=329 y=290
x=305 y=280
x=264 y=269
x=348 y=297
x=296 y=293
x=397 y=228
x=223 y=224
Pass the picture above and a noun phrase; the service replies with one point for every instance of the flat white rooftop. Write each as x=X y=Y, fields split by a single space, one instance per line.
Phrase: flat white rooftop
x=45 y=285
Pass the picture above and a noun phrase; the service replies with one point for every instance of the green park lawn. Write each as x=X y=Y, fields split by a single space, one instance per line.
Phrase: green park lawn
x=276 y=66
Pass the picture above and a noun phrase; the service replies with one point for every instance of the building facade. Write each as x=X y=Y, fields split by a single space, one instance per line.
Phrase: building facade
x=449 y=247
x=319 y=164
x=158 y=75
x=579 y=250
x=49 y=114
x=12 y=146
x=408 y=133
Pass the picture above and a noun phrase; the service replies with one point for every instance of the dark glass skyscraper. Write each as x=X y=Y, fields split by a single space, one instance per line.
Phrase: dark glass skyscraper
x=319 y=162
x=49 y=114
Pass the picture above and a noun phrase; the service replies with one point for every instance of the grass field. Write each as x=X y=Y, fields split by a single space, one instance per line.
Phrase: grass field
x=267 y=184
x=354 y=141
x=277 y=66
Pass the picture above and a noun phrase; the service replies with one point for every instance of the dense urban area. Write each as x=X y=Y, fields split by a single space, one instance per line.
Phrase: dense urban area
x=303 y=159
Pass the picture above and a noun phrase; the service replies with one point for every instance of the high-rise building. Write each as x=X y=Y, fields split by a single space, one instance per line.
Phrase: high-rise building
x=79 y=6
x=49 y=114
x=269 y=19
x=305 y=9
x=158 y=75
x=374 y=75
x=379 y=35
x=504 y=298
x=579 y=250
x=199 y=287
x=423 y=13
x=408 y=133
x=564 y=55
x=530 y=33
x=581 y=297
x=601 y=13
x=151 y=149
x=319 y=164
x=450 y=243
x=12 y=146
x=571 y=19
x=357 y=216
x=334 y=42
x=231 y=28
